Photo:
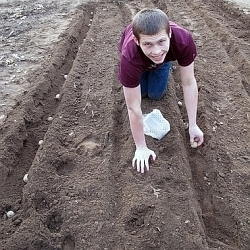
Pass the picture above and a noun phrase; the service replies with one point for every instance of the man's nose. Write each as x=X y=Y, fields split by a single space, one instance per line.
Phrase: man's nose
x=156 y=50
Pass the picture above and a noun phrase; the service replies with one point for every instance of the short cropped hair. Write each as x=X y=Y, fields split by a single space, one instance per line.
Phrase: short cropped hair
x=150 y=22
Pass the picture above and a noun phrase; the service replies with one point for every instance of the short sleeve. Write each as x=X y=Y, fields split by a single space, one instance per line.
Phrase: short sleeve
x=189 y=52
x=129 y=74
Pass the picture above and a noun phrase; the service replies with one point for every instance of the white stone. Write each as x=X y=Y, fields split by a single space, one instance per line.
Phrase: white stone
x=10 y=214
x=40 y=142
x=26 y=178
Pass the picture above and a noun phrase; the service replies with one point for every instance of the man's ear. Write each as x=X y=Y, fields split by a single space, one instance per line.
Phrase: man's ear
x=170 y=33
x=136 y=40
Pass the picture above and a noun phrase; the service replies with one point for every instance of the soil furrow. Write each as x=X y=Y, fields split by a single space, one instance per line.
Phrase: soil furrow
x=236 y=47
x=142 y=220
x=29 y=121
x=227 y=85
x=79 y=175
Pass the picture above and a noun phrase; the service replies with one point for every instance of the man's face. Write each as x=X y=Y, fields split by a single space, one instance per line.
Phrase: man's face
x=155 y=47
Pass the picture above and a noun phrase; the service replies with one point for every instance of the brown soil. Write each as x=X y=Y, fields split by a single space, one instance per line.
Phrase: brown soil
x=82 y=191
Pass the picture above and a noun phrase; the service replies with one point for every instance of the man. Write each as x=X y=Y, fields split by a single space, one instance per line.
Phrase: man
x=147 y=47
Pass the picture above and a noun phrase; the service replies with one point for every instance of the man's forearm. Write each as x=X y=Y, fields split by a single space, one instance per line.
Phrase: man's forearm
x=191 y=100
x=136 y=125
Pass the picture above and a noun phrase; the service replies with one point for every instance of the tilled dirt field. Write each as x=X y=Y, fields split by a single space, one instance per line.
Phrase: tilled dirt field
x=82 y=191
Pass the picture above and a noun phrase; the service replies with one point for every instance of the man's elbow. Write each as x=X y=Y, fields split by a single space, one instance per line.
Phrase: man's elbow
x=134 y=111
x=189 y=82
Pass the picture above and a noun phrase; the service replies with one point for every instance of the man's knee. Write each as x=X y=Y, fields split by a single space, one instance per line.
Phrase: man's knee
x=156 y=96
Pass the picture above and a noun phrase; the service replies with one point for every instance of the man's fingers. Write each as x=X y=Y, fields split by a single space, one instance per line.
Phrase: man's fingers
x=142 y=168
x=201 y=140
x=153 y=155
x=147 y=165
x=143 y=162
x=133 y=162
x=138 y=163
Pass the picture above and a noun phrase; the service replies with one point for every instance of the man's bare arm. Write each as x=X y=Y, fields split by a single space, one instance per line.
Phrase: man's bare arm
x=133 y=101
x=142 y=153
x=190 y=91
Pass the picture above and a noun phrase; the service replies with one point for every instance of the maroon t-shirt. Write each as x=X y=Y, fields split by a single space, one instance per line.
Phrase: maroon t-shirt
x=134 y=62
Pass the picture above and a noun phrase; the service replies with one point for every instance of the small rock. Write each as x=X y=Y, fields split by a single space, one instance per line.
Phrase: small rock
x=194 y=144
x=10 y=214
x=26 y=178
x=3 y=118
x=180 y=104
x=71 y=134
x=186 y=125
x=40 y=142
x=222 y=174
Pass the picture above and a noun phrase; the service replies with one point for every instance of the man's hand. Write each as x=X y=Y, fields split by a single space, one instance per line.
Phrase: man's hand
x=196 y=135
x=142 y=156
